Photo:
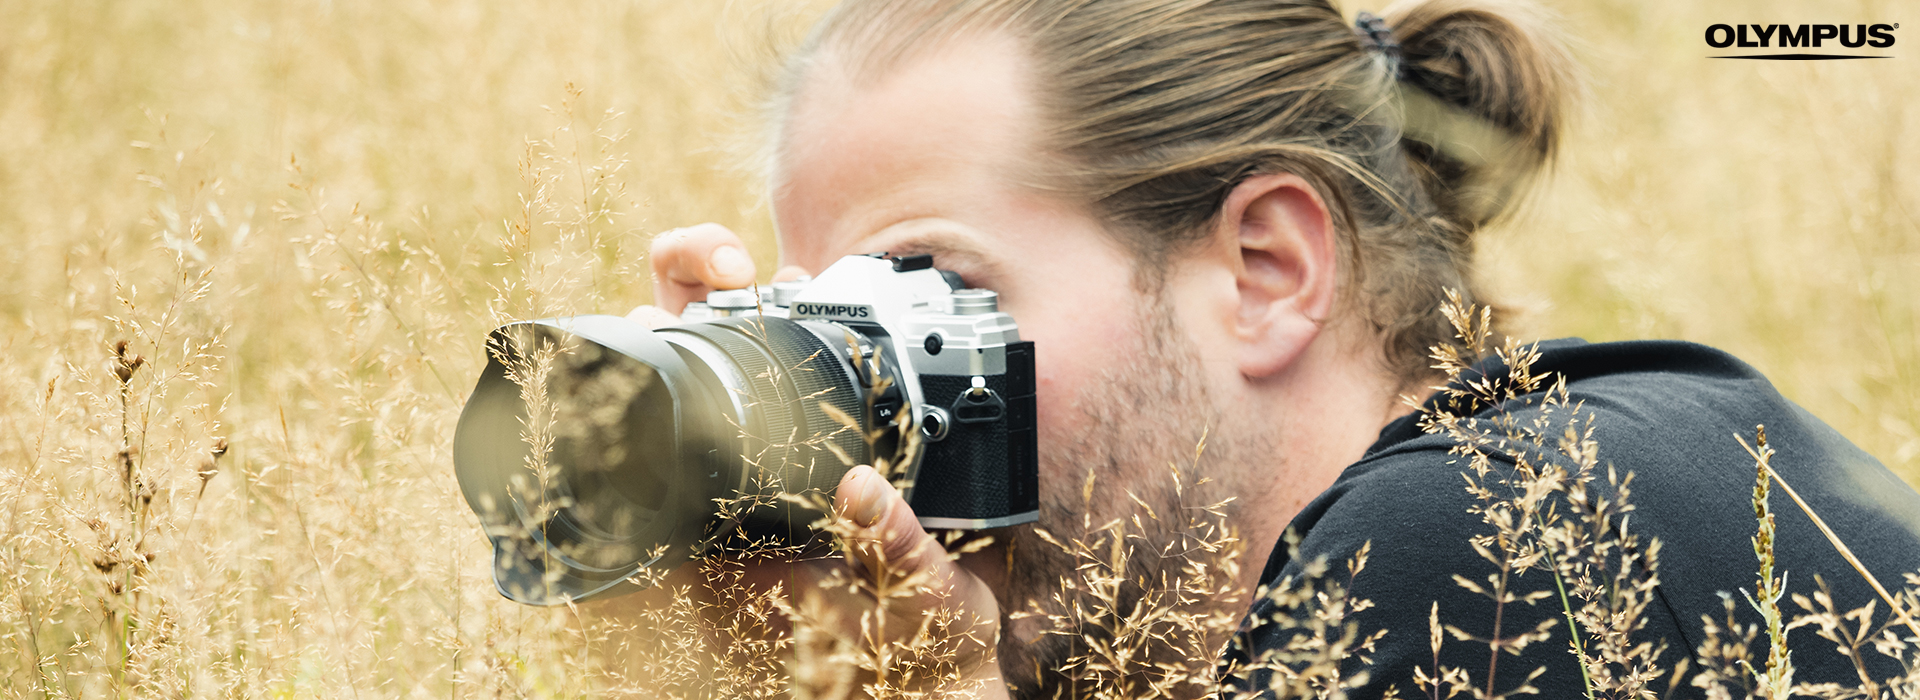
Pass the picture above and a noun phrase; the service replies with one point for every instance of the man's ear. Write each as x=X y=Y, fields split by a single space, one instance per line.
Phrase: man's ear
x=1286 y=268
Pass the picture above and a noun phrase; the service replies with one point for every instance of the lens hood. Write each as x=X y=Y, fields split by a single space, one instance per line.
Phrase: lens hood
x=586 y=515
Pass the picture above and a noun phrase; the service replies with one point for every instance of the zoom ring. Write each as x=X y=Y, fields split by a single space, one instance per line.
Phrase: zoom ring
x=809 y=375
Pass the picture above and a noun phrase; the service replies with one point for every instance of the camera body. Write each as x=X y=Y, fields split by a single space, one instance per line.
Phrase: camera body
x=956 y=361
x=676 y=442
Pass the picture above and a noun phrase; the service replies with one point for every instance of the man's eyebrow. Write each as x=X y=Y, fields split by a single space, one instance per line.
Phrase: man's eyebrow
x=948 y=251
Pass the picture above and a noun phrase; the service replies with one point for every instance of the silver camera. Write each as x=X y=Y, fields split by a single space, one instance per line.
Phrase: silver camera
x=656 y=446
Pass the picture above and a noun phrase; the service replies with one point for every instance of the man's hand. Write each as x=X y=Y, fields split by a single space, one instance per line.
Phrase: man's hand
x=909 y=582
x=689 y=262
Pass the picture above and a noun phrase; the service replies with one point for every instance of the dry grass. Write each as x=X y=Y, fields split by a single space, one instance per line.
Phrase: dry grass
x=302 y=217
x=1756 y=208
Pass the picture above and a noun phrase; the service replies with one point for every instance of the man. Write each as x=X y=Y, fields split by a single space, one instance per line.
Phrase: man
x=1238 y=219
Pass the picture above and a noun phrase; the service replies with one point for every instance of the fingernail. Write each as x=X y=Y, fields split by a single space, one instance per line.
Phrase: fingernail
x=874 y=493
x=728 y=261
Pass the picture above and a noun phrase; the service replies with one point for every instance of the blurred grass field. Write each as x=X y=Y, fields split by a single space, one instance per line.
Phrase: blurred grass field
x=304 y=216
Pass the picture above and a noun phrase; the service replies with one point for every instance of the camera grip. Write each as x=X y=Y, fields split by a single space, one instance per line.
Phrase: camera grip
x=985 y=473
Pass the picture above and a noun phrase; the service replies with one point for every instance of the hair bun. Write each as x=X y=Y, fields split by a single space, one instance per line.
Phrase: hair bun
x=1496 y=84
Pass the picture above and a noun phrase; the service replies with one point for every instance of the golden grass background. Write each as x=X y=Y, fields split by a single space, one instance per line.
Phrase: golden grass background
x=304 y=215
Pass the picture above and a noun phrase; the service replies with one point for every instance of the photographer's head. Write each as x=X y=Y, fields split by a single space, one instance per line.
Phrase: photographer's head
x=1238 y=216
x=1147 y=114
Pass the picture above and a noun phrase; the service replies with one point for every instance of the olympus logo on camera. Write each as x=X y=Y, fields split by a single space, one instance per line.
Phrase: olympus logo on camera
x=1764 y=36
x=850 y=312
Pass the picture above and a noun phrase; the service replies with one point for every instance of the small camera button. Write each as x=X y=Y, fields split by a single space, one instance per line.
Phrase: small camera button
x=909 y=263
x=975 y=302
x=934 y=423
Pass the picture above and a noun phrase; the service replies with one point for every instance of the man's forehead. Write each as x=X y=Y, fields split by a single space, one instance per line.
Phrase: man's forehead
x=930 y=137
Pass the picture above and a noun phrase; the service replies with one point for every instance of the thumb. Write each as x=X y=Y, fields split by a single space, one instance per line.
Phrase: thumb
x=887 y=536
x=914 y=576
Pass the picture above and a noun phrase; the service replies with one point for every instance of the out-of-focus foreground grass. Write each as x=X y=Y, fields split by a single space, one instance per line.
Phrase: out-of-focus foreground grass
x=303 y=216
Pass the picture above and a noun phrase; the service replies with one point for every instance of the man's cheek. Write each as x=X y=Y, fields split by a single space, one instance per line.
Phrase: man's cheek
x=1059 y=380
x=1074 y=355
x=1059 y=422
x=1069 y=423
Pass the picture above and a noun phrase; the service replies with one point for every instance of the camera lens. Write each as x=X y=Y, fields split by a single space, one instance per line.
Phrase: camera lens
x=651 y=444
x=774 y=375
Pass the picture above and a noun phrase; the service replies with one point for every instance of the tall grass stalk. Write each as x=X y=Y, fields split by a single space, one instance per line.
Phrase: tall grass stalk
x=305 y=217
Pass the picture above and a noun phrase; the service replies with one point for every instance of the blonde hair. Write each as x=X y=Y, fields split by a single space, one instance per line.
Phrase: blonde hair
x=1158 y=108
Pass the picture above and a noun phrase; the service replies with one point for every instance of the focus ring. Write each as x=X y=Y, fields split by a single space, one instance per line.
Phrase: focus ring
x=812 y=375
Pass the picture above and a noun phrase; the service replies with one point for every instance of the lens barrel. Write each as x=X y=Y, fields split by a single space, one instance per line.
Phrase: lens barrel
x=654 y=445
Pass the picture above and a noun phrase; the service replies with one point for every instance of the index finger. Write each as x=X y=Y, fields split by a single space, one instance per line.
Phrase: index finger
x=689 y=262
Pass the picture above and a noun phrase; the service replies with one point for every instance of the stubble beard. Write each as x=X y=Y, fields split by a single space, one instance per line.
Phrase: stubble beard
x=1141 y=419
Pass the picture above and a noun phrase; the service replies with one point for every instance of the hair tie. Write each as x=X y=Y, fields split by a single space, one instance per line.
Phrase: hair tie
x=1379 y=37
